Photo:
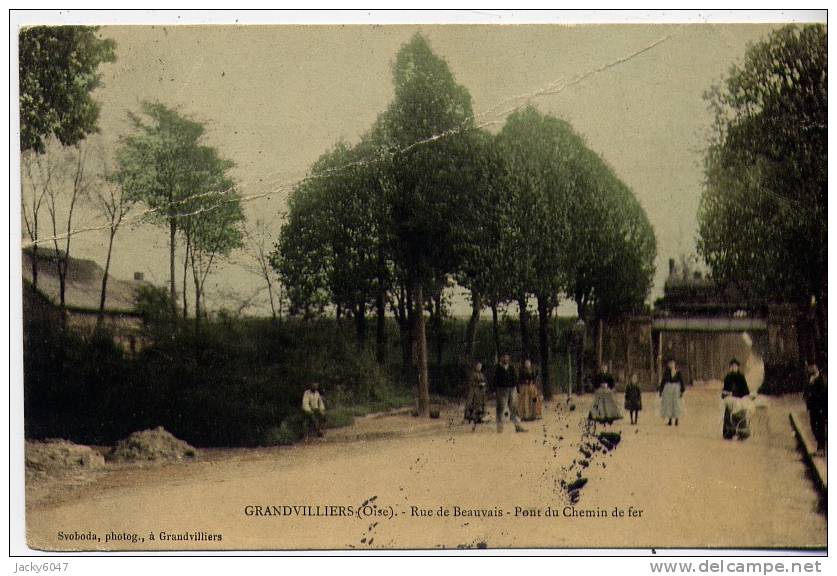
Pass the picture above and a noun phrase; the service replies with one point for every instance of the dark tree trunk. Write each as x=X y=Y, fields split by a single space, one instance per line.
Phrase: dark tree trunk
x=628 y=329
x=473 y=324
x=103 y=295
x=273 y=316
x=406 y=351
x=34 y=257
x=172 y=287
x=63 y=262
x=821 y=315
x=544 y=316
x=380 y=328
x=64 y=268
x=524 y=325
x=439 y=328
x=185 y=274
x=495 y=324
x=360 y=325
x=381 y=309
x=197 y=307
x=406 y=333
x=580 y=342
x=421 y=352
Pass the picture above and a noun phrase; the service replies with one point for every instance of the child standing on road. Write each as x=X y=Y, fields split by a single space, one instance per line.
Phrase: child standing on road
x=633 y=398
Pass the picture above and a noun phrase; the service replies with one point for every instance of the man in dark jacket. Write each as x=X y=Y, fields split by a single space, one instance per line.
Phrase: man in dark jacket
x=505 y=384
x=816 y=400
x=735 y=386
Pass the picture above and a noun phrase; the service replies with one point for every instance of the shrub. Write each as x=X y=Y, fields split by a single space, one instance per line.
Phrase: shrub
x=339 y=417
x=230 y=383
x=782 y=378
x=280 y=436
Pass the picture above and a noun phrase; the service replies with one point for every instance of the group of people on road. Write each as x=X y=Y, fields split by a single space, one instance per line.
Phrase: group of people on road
x=518 y=394
x=604 y=408
x=736 y=409
x=671 y=389
x=519 y=398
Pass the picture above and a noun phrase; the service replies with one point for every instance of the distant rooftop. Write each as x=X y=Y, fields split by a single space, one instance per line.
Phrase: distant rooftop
x=692 y=293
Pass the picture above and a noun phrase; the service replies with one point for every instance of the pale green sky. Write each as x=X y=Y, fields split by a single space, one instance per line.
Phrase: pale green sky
x=274 y=98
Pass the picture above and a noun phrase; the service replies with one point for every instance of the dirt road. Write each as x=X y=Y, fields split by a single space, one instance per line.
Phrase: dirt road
x=400 y=482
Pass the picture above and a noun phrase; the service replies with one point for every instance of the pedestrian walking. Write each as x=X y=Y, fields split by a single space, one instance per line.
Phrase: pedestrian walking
x=816 y=400
x=505 y=385
x=736 y=416
x=671 y=393
x=633 y=398
x=475 y=402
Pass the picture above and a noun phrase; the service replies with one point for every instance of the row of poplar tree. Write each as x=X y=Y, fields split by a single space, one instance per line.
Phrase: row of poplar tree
x=427 y=198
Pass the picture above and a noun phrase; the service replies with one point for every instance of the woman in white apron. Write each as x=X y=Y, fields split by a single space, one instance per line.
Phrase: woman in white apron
x=671 y=393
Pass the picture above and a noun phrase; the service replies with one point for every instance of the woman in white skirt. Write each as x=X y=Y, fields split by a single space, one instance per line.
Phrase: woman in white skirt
x=671 y=393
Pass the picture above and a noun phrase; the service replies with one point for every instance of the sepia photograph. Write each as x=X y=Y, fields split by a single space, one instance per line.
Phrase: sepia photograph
x=430 y=286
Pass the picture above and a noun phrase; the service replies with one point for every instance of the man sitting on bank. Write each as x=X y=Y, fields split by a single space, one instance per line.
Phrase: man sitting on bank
x=313 y=410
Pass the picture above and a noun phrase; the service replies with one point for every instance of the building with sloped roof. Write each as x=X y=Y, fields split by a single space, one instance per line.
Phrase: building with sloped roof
x=82 y=296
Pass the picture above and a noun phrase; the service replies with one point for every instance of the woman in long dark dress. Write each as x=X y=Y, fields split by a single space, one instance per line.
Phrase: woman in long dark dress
x=736 y=422
x=475 y=403
x=671 y=392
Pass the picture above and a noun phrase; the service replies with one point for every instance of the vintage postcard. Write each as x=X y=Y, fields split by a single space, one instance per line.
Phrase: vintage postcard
x=423 y=286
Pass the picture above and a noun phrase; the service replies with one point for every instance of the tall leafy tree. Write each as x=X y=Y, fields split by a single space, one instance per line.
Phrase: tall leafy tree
x=302 y=257
x=110 y=200
x=625 y=274
x=213 y=218
x=612 y=265
x=164 y=165
x=763 y=213
x=424 y=121
x=578 y=231
x=352 y=232
x=58 y=70
x=62 y=198
x=541 y=153
x=334 y=216
x=258 y=244
x=485 y=241
x=369 y=169
x=37 y=179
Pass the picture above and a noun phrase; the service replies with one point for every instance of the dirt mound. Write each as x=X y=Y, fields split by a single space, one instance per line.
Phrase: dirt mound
x=53 y=457
x=155 y=445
